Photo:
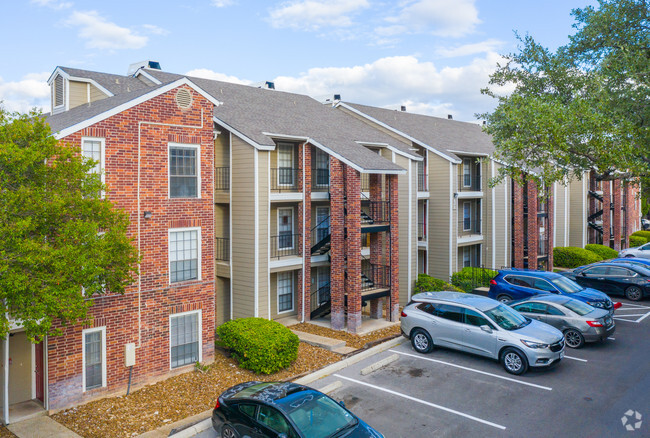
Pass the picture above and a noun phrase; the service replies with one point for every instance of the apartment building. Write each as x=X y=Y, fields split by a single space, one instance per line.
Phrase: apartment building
x=154 y=146
x=461 y=220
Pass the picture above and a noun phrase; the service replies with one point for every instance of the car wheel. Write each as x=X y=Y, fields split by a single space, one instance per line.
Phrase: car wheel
x=421 y=341
x=629 y=256
x=514 y=361
x=227 y=431
x=573 y=338
x=633 y=293
x=504 y=298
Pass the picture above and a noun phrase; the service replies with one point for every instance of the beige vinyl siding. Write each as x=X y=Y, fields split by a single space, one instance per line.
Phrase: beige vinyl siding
x=273 y=285
x=501 y=240
x=222 y=220
x=243 y=230
x=264 y=223
x=438 y=217
x=78 y=93
x=577 y=208
x=222 y=300
x=96 y=94
x=404 y=237
x=222 y=149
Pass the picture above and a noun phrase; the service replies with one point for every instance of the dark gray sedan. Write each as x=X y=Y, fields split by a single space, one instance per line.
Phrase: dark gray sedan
x=579 y=321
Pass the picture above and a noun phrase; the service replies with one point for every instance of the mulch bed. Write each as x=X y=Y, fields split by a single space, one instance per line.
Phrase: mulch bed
x=177 y=397
x=351 y=340
x=6 y=433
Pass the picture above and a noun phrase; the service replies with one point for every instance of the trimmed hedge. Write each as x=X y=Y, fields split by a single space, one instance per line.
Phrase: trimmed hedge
x=427 y=283
x=637 y=241
x=572 y=257
x=258 y=344
x=644 y=234
x=604 y=251
x=469 y=278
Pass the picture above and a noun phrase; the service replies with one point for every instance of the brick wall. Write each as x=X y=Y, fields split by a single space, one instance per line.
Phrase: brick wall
x=142 y=317
x=616 y=214
x=533 y=225
x=353 y=247
x=392 y=313
x=518 y=228
x=337 y=251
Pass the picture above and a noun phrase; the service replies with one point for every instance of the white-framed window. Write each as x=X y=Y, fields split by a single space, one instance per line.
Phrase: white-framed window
x=184 y=170
x=285 y=164
x=467 y=216
x=184 y=254
x=322 y=169
x=94 y=148
x=94 y=358
x=467 y=172
x=322 y=223
x=285 y=228
x=285 y=291
x=467 y=257
x=185 y=338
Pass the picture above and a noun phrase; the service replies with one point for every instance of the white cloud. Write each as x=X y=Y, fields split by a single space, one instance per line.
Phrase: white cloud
x=216 y=76
x=312 y=14
x=438 y=17
x=486 y=46
x=222 y=3
x=394 y=81
x=102 y=34
x=155 y=30
x=29 y=92
x=54 y=4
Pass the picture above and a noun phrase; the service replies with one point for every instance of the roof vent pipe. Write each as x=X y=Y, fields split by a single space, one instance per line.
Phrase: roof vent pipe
x=403 y=108
x=337 y=97
x=450 y=117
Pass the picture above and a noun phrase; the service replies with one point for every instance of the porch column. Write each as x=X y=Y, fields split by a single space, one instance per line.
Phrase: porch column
x=337 y=248
x=550 y=216
x=376 y=256
x=617 y=213
x=353 y=244
x=392 y=312
x=304 y=297
x=533 y=225
x=5 y=383
x=607 y=212
x=518 y=229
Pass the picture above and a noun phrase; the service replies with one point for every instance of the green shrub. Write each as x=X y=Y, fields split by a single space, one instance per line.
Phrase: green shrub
x=469 y=279
x=604 y=251
x=637 y=241
x=572 y=257
x=258 y=344
x=644 y=234
x=427 y=283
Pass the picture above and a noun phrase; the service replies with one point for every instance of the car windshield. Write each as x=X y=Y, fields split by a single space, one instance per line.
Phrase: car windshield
x=566 y=285
x=643 y=270
x=318 y=416
x=578 y=307
x=507 y=318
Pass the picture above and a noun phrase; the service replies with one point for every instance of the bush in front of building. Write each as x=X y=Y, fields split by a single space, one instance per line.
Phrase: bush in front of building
x=258 y=344
x=572 y=257
x=427 y=283
x=644 y=234
x=604 y=251
x=637 y=241
x=470 y=278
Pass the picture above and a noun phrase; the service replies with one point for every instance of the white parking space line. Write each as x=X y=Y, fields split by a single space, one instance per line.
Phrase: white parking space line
x=612 y=339
x=618 y=318
x=417 y=400
x=575 y=358
x=643 y=317
x=627 y=315
x=633 y=305
x=474 y=371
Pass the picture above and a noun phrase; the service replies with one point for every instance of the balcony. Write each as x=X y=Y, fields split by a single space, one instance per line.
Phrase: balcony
x=375 y=216
x=222 y=249
x=422 y=231
x=375 y=277
x=285 y=245
x=469 y=227
x=222 y=178
x=423 y=182
x=284 y=179
x=469 y=183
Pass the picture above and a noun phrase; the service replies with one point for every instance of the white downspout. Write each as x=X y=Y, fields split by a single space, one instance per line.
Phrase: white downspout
x=304 y=234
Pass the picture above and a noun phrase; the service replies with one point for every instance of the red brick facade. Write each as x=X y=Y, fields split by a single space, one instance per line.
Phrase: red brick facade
x=142 y=315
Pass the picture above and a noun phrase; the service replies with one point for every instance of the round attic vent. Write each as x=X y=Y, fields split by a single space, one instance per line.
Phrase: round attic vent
x=183 y=98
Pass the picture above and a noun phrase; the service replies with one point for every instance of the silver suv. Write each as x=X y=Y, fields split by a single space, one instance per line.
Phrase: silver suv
x=481 y=326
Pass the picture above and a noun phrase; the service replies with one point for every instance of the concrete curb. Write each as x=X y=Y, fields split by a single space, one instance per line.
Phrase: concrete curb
x=305 y=380
x=379 y=364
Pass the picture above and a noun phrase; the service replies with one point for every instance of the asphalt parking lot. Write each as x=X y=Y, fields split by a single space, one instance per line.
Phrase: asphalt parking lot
x=449 y=394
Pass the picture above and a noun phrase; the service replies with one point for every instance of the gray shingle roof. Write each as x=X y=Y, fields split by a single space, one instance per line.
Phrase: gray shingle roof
x=116 y=84
x=441 y=134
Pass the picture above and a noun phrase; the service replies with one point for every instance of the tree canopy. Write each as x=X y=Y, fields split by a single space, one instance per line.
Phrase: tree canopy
x=585 y=106
x=60 y=242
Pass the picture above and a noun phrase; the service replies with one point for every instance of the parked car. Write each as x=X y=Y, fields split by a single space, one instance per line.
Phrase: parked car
x=642 y=251
x=579 y=321
x=645 y=224
x=516 y=284
x=482 y=326
x=628 y=279
x=635 y=260
x=284 y=410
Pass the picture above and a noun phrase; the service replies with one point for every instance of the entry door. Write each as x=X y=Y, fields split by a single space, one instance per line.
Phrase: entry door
x=323 y=274
x=40 y=371
x=323 y=223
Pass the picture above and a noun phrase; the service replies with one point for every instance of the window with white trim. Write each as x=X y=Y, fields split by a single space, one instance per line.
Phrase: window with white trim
x=285 y=291
x=285 y=164
x=184 y=254
x=183 y=171
x=285 y=228
x=467 y=257
x=94 y=358
x=467 y=172
x=94 y=149
x=322 y=169
x=185 y=338
x=467 y=216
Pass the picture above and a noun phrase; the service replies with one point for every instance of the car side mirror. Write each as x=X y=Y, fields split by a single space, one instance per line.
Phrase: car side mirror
x=342 y=403
x=583 y=274
x=486 y=328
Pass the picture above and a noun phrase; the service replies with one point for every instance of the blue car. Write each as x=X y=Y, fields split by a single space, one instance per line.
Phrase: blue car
x=633 y=260
x=516 y=284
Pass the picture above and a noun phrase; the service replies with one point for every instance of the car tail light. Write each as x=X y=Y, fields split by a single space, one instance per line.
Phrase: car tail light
x=217 y=405
x=493 y=282
x=594 y=324
x=617 y=305
x=403 y=314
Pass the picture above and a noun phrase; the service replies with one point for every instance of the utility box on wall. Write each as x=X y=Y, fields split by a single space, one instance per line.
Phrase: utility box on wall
x=129 y=355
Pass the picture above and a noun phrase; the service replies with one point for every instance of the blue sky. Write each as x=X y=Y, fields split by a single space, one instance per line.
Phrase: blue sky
x=433 y=56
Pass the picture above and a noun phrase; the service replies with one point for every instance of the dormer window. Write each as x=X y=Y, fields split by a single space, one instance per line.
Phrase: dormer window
x=58 y=92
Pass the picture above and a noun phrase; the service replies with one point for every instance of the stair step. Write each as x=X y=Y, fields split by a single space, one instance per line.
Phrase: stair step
x=319 y=341
x=344 y=350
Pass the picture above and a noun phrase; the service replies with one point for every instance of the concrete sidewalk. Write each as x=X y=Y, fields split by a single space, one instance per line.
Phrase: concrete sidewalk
x=41 y=427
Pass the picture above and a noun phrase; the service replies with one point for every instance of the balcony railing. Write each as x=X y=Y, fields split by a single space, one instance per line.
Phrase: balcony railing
x=320 y=180
x=375 y=277
x=542 y=245
x=468 y=226
x=469 y=183
x=422 y=231
x=422 y=182
x=376 y=211
x=284 y=179
x=222 y=249
x=284 y=245
x=222 y=178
